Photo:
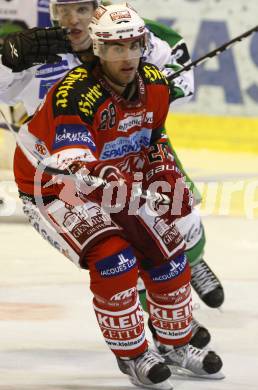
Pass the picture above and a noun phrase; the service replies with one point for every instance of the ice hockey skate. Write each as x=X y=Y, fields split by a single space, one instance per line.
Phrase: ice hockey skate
x=207 y=285
x=147 y=371
x=191 y=362
x=200 y=335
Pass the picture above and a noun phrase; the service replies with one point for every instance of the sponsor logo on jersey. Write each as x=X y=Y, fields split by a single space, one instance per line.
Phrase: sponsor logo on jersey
x=177 y=321
x=169 y=270
x=120 y=300
x=50 y=70
x=135 y=120
x=153 y=74
x=124 y=295
x=87 y=223
x=67 y=135
x=123 y=146
x=131 y=320
x=89 y=99
x=123 y=331
x=41 y=149
x=128 y=123
x=117 y=264
x=149 y=117
x=67 y=85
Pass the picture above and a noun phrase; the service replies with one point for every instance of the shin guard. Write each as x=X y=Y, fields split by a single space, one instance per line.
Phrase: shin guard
x=171 y=316
x=123 y=329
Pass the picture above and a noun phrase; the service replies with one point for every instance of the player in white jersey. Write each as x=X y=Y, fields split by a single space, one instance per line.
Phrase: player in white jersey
x=21 y=81
x=29 y=84
x=15 y=16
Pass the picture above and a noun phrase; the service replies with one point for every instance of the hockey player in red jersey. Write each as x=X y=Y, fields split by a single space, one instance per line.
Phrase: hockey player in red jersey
x=24 y=79
x=106 y=119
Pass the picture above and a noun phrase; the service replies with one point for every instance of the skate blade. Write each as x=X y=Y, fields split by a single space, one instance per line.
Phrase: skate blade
x=165 y=385
x=183 y=372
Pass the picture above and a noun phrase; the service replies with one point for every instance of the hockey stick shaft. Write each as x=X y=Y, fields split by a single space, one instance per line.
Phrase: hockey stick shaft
x=88 y=179
x=213 y=53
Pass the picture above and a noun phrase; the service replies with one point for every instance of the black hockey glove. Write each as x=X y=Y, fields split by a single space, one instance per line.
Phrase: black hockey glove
x=24 y=49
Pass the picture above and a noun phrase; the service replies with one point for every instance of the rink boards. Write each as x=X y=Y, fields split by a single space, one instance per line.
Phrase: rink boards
x=194 y=131
x=233 y=134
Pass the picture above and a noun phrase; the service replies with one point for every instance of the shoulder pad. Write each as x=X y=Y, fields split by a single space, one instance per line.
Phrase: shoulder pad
x=79 y=93
x=163 y=32
x=152 y=74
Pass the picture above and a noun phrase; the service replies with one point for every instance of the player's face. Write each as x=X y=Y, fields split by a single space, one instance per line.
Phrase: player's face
x=121 y=61
x=76 y=17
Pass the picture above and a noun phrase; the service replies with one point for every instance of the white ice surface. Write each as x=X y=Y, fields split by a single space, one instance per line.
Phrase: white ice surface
x=49 y=339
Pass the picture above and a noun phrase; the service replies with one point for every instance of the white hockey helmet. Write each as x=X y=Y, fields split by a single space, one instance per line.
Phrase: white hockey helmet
x=116 y=23
x=54 y=4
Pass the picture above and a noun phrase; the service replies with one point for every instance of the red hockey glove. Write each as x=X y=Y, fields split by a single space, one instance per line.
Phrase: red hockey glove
x=103 y=184
x=161 y=174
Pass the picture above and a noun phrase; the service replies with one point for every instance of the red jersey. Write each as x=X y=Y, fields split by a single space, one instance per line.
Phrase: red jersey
x=83 y=118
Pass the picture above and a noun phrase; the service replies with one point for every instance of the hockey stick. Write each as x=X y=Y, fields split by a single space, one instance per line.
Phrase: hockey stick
x=87 y=179
x=212 y=53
